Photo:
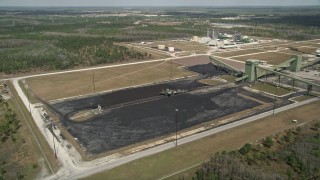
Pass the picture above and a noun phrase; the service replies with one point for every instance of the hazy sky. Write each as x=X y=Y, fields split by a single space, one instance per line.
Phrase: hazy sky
x=158 y=2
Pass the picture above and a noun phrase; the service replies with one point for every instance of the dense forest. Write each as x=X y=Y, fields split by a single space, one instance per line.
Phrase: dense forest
x=61 y=53
x=55 y=39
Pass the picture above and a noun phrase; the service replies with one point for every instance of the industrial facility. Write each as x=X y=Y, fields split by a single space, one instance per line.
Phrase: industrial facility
x=222 y=40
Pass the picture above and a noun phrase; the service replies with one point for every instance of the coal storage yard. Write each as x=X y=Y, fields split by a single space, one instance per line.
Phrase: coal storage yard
x=130 y=124
x=208 y=69
x=134 y=115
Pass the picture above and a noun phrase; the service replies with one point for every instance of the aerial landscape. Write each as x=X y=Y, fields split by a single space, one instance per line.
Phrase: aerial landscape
x=159 y=90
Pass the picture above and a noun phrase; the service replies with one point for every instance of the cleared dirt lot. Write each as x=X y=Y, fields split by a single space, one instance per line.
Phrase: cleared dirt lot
x=289 y=51
x=308 y=50
x=79 y=83
x=238 y=52
x=274 y=58
x=310 y=44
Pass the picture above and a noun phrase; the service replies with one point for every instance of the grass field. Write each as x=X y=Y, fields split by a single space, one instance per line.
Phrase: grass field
x=271 y=89
x=80 y=83
x=238 y=52
x=274 y=58
x=188 y=155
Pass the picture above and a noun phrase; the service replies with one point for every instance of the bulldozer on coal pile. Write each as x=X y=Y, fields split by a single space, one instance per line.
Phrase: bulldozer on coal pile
x=171 y=92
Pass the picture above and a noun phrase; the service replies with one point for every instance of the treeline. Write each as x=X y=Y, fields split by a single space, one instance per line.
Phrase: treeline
x=24 y=62
x=65 y=52
x=292 y=155
x=107 y=52
x=20 y=25
x=74 y=43
x=9 y=123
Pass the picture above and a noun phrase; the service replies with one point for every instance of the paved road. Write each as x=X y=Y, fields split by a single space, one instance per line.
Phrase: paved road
x=72 y=168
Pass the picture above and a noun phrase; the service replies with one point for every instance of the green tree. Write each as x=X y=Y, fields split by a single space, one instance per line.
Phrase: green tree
x=245 y=149
x=288 y=137
x=289 y=174
x=268 y=142
x=317 y=126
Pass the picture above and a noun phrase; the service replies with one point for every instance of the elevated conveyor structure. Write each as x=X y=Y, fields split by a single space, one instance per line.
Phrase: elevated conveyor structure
x=235 y=70
x=295 y=64
x=254 y=70
x=310 y=85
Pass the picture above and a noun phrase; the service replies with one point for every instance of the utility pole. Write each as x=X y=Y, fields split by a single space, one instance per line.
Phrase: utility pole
x=275 y=99
x=54 y=144
x=171 y=70
x=94 y=86
x=28 y=94
x=177 y=127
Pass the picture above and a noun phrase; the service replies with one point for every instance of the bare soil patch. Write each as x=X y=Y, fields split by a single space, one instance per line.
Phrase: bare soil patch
x=239 y=52
x=211 y=82
x=307 y=50
x=311 y=44
x=274 y=58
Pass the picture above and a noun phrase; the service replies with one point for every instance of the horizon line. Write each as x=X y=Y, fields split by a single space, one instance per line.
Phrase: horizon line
x=122 y=6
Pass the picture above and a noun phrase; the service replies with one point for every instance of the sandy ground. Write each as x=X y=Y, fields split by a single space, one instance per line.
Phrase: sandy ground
x=238 y=52
x=271 y=57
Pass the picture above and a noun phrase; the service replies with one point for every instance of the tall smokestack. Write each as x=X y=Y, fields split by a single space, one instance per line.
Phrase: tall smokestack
x=213 y=34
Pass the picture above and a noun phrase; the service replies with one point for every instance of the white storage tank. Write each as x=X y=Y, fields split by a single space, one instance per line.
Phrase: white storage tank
x=171 y=49
x=161 y=46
